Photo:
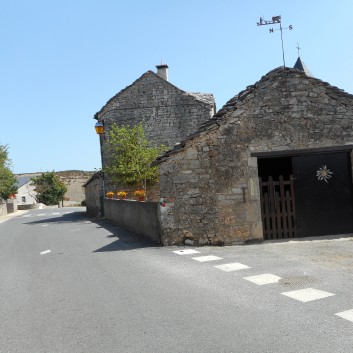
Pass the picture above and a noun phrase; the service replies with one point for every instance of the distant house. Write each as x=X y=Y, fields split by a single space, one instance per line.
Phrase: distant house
x=73 y=179
x=26 y=194
x=168 y=115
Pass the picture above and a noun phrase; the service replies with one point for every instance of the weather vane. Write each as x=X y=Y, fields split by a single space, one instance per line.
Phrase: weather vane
x=275 y=20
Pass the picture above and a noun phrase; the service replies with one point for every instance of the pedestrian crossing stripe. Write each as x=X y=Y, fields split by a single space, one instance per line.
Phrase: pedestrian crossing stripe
x=347 y=315
x=307 y=294
x=235 y=266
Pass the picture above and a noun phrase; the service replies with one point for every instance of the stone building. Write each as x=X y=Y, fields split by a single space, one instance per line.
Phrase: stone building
x=168 y=113
x=275 y=162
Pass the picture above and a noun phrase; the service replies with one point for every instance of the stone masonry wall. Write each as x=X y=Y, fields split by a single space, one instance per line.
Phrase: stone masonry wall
x=94 y=196
x=3 y=208
x=168 y=114
x=211 y=185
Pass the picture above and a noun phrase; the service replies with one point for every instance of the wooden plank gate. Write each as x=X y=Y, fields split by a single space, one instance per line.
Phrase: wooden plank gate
x=278 y=208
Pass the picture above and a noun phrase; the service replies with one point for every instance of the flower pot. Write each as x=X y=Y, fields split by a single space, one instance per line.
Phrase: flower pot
x=141 y=198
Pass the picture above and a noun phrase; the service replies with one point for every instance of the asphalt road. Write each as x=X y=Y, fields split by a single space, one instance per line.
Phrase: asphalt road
x=71 y=284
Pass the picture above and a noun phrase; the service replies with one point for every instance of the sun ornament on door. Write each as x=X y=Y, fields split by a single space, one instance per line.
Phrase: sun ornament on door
x=324 y=174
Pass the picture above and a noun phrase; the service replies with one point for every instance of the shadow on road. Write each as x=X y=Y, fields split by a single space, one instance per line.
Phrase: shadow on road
x=71 y=217
x=126 y=240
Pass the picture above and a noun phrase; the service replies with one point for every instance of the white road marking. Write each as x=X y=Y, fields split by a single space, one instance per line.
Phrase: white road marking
x=186 y=252
x=55 y=213
x=307 y=294
x=74 y=230
x=235 y=266
x=45 y=252
x=348 y=315
x=207 y=258
x=27 y=215
x=41 y=214
x=266 y=278
x=44 y=225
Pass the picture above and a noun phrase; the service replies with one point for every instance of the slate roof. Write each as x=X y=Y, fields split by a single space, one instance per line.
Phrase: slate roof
x=206 y=98
x=217 y=119
x=299 y=65
x=96 y=175
x=22 y=180
x=202 y=97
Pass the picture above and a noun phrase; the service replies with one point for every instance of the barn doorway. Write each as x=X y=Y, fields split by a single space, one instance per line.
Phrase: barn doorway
x=278 y=209
x=306 y=194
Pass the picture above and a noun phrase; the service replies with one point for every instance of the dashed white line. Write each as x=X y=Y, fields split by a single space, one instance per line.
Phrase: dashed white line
x=186 y=252
x=207 y=258
x=45 y=252
x=347 y=315
x=266 y=278
x=308 y=294
x=235 y=266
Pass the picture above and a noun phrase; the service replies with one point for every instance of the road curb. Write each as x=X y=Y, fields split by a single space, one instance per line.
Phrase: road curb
x=11 y=215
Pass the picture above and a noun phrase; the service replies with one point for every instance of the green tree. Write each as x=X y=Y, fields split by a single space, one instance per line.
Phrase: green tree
x=50 y=189
x=7 y=178
x=130 y=156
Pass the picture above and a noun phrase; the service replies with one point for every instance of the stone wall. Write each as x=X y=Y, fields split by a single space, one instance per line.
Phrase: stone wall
x=94 y=195
x=168 y=114
x=139 y=217
x=211 y=184
x=74 y=181
x=3 y=208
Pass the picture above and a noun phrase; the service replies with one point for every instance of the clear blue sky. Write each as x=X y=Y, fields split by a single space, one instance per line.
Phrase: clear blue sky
x=62 y=60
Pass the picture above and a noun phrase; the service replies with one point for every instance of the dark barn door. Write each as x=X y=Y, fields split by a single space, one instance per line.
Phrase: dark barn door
x=323 y=194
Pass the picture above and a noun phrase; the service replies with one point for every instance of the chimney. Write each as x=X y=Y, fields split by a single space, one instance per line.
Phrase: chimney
x=162 y=71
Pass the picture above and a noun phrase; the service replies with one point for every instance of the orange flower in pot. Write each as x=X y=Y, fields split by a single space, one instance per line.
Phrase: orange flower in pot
x=140 y=194
x=109 y=194
x=122 y=194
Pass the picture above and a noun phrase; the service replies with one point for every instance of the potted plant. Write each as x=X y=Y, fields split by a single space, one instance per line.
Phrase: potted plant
x=122 y=194
x=140 y=194
x=109 y=194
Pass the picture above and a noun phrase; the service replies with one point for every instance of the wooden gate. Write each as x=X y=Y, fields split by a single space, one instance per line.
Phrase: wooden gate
x=278 y=208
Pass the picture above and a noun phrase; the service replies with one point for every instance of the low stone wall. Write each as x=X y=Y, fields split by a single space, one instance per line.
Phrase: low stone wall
x=27 y=207
x=3 y=209
x=139 y=217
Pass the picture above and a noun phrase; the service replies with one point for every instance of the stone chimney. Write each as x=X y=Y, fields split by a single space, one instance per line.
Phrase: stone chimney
x=162 y=71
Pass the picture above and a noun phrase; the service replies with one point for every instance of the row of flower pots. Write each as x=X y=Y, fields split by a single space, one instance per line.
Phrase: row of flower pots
x=122 y=195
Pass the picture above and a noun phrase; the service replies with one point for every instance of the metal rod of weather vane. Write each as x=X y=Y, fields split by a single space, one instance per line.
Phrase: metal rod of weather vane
x=280 y=27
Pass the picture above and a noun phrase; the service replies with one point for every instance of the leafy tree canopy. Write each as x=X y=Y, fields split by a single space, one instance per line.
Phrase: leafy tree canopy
x=130 y=156
x=7 y=178
x=50 y=189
